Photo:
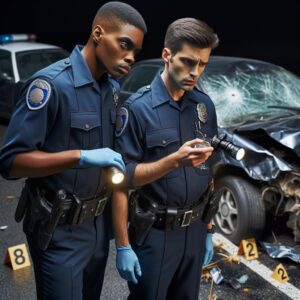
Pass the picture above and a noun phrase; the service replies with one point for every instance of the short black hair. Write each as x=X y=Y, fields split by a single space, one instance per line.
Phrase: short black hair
x=122 y=12
x=192 y=31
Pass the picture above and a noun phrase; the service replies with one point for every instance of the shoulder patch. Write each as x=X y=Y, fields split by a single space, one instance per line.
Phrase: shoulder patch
x=122 y=120
x=38 y=94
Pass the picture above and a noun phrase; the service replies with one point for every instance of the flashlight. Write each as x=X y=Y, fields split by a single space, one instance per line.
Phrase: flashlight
x=116 y=175
x=233 y=150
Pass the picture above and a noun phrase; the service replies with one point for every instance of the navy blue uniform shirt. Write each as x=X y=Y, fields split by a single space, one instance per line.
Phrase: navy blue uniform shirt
x=79 y=114
x=154 y=126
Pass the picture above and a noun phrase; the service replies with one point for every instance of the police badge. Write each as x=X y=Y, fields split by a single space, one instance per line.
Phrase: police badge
x=202 y=112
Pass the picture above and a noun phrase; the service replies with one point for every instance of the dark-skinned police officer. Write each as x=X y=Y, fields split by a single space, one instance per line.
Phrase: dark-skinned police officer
x=162 y=253
x=61 y=137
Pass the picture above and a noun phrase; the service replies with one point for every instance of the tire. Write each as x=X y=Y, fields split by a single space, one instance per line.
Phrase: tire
x=241 y=211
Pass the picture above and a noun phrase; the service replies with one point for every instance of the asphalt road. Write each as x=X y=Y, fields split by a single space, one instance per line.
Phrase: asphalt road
x=20 y=284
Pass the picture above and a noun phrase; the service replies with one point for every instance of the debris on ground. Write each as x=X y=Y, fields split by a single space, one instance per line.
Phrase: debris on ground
x=234 y=283
x=4 y=227
x=216 y=275
x=281 y=251
x=243 y=279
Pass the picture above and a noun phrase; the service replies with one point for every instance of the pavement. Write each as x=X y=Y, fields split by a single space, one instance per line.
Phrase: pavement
x=20 y=284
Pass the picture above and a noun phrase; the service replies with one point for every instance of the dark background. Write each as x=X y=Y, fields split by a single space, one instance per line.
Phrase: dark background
x=256 y=29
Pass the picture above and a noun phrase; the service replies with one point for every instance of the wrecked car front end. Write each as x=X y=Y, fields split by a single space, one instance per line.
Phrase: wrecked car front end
x=258 y=110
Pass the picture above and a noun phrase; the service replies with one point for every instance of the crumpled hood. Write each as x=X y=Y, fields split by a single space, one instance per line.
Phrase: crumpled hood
x=285 y=131
x=271 y=147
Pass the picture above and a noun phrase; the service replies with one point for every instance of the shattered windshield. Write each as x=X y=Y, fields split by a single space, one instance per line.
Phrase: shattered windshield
x=242 y=90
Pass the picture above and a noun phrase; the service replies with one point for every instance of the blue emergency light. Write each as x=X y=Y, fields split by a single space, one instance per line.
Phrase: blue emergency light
x=8 y=38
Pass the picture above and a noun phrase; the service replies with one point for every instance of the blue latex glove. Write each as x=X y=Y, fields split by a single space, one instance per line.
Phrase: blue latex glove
x=128 y=264
x=209 y=250
x=103 y=157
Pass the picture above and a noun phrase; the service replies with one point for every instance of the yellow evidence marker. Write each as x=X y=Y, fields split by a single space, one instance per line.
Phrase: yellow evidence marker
x=17 y=256
x=280 y=274
x=248 y=248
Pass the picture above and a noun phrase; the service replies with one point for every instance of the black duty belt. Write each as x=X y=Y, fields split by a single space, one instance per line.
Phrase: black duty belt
x=80 y=209
x=171 y=217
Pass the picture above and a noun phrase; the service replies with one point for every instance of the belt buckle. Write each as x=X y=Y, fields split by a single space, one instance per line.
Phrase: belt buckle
x=187 y=217
x=100 y=206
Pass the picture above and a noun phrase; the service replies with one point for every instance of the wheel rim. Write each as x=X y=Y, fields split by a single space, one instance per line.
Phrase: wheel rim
x=227 y=215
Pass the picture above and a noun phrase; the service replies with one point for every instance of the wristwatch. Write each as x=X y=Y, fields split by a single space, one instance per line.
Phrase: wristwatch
x=211 y=230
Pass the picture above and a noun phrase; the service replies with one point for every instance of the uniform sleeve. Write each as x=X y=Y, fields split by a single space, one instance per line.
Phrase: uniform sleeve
x=30 y=123
x=129 y=142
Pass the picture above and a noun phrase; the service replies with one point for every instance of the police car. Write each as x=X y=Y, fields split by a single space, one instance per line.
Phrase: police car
x=20 y=57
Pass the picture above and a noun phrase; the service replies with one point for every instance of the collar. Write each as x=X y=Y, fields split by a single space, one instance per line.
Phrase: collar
x=161 y=95
x=81 y=72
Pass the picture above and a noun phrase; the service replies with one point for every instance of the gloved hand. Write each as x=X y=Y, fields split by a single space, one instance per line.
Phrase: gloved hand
x=128 y=264
x=209 y=250
x=103 y=157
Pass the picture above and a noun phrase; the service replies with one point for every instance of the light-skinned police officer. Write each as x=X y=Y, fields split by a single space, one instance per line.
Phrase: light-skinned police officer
x=158 y=134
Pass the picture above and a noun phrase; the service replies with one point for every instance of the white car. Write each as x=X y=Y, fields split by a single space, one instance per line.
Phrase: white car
x=20 y=57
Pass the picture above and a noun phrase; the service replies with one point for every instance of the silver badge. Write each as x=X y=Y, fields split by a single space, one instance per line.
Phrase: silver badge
x=202 y=112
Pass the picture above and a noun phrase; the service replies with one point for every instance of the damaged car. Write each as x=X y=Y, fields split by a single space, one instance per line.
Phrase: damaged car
x=258 y=109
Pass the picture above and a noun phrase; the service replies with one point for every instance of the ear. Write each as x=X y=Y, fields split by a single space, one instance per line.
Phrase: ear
x=166 y=55
x=97 y=33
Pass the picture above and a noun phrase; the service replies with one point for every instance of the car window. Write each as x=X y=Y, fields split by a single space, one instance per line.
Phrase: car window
x=29 y=62
x=6 y=69
x=243 y=91
x=138 y=77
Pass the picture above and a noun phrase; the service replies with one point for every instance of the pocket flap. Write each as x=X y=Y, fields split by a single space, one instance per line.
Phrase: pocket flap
x=161 y=137
x=85 y=121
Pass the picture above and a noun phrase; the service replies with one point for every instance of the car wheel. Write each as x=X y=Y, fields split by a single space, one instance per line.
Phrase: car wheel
x=241 y=211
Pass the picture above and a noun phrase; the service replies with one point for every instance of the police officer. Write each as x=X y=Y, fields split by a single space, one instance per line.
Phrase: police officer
x=61 y=137
x=158 y=135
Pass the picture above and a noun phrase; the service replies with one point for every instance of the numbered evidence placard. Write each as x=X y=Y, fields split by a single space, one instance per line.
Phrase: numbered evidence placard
x=280 y=274
x=248 y=248
x=17 y=256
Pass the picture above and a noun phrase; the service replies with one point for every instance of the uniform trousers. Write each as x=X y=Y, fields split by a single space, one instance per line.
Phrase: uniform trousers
x=73 y=265
x=171 y=263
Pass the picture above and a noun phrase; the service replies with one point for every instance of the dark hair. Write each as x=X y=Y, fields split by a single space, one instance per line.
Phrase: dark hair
x=191 y=31
x=123 y=13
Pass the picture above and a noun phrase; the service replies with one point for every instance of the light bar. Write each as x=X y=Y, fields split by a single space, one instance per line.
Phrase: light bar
x=8 y=38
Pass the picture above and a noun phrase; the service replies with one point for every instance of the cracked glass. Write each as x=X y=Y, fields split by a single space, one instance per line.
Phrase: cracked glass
x=242 y=91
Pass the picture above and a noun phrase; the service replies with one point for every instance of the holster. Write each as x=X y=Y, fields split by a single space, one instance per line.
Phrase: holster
x=43 y=215
x=23 y=204
x=48 y=226
x=40 y=208
x=142 y=215
x=212 y=206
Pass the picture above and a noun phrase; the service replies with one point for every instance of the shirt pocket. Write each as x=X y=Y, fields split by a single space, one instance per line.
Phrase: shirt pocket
x=162 y=142
x=85 y=132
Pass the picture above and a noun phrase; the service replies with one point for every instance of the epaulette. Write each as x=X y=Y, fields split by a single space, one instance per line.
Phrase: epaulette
x=140 y=92
x=52 y=71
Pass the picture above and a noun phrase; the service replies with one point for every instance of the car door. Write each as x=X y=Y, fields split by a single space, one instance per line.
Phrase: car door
x=7 y=83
